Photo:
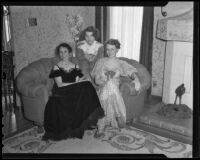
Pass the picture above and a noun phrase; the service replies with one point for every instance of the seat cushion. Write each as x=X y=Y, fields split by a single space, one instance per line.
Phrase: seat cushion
x=178 y=125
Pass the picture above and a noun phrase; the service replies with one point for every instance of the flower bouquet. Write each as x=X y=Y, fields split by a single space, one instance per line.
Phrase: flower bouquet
x=75 y=26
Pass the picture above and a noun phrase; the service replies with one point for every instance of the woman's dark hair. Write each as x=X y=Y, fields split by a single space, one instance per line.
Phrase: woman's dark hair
x=92 y=29
x=113 y=42
x=65 y=45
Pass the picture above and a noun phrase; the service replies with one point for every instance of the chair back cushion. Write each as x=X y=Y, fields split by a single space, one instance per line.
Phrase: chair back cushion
x=143 y=73
x=37 y=72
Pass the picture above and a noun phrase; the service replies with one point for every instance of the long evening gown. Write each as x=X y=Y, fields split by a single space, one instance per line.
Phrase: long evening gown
x=109 y=94
x=71 y=109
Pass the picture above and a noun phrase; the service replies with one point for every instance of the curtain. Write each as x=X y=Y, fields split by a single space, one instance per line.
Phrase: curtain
x=6 y=39
x=101 y=22
x=147 y=41
x=125 y=25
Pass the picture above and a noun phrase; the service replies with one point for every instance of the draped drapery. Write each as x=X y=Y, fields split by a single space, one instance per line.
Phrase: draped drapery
x=125 y=25
x=101 y=22
x=147 y=41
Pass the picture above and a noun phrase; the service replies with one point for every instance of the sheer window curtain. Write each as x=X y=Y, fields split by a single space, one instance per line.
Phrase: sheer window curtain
x=125 y=24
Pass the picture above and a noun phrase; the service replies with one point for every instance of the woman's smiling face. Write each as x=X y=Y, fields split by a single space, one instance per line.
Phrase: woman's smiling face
x=89 y=37
x=111 y=50
x=64 y=53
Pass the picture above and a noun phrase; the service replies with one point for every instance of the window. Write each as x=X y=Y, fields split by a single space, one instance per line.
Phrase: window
x=126 y=26
x=6 y=29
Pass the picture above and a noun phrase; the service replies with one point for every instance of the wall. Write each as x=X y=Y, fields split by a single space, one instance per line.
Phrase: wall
x=34 y=42
x=158 y=55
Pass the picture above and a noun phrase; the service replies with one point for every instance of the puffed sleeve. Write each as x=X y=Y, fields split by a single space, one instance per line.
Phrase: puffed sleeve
x=78 y=72
x=98 y=68
x=55 y=73
x=127 y=69
x=98 y=72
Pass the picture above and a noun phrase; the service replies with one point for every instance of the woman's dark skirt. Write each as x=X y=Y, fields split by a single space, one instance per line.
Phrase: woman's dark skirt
x=71 y=110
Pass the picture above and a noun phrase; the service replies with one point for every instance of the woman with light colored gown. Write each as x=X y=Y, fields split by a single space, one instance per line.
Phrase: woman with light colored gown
x=106 y=73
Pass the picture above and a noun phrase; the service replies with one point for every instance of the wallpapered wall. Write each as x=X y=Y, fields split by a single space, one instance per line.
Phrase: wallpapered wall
x=172 y=9
x=34 y=42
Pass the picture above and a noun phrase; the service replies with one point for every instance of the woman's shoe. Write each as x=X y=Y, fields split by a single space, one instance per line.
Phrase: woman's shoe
x=121 y=123
x=99 y=135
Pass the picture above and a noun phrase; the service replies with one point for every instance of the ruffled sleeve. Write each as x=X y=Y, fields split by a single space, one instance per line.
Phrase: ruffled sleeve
x=98 y=68
x=127 y=69
x=55 y=73
x=77 y=72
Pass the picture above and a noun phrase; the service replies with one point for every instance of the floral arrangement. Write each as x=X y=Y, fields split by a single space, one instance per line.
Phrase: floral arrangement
x=75 y=26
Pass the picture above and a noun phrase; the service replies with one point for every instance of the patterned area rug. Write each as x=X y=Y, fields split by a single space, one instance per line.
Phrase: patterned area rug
x=129 y=140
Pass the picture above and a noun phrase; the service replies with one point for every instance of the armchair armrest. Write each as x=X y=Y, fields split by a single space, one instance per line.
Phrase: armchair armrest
x=129 y=87
x=35 y=90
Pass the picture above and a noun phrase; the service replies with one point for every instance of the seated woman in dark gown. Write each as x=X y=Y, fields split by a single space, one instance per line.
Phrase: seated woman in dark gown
x=73 y=106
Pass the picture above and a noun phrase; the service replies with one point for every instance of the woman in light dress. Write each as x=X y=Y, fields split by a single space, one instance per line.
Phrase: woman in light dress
x=106 y=73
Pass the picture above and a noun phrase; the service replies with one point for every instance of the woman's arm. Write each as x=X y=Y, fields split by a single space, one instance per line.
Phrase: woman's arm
x=98 y=72
x=136 y=81
x=100 y=79
x=81 y=77
x=132 y=72
x=117 y=74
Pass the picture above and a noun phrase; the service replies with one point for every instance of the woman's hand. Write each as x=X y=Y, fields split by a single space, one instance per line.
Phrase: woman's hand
x=137 y=83
x=133 y=76
x=117 y=74
x=84 y=78
x=77 y=78
x=100 y=79
x=109 y=74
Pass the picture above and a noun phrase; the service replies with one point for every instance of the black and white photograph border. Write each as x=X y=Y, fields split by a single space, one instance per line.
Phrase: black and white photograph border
x=156 y=47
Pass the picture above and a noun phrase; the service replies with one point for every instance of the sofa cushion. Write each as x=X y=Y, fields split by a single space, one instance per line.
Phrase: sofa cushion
x=152 y=118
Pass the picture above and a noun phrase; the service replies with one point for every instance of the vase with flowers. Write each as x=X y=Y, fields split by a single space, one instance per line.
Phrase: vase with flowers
x=75 y=23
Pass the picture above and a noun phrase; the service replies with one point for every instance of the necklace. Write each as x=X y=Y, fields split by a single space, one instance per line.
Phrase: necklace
x=66 y=65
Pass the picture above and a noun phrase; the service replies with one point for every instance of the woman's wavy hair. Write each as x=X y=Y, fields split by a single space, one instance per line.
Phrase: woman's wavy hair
x=92 y=29
x=65 y=45
x=114 y=42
